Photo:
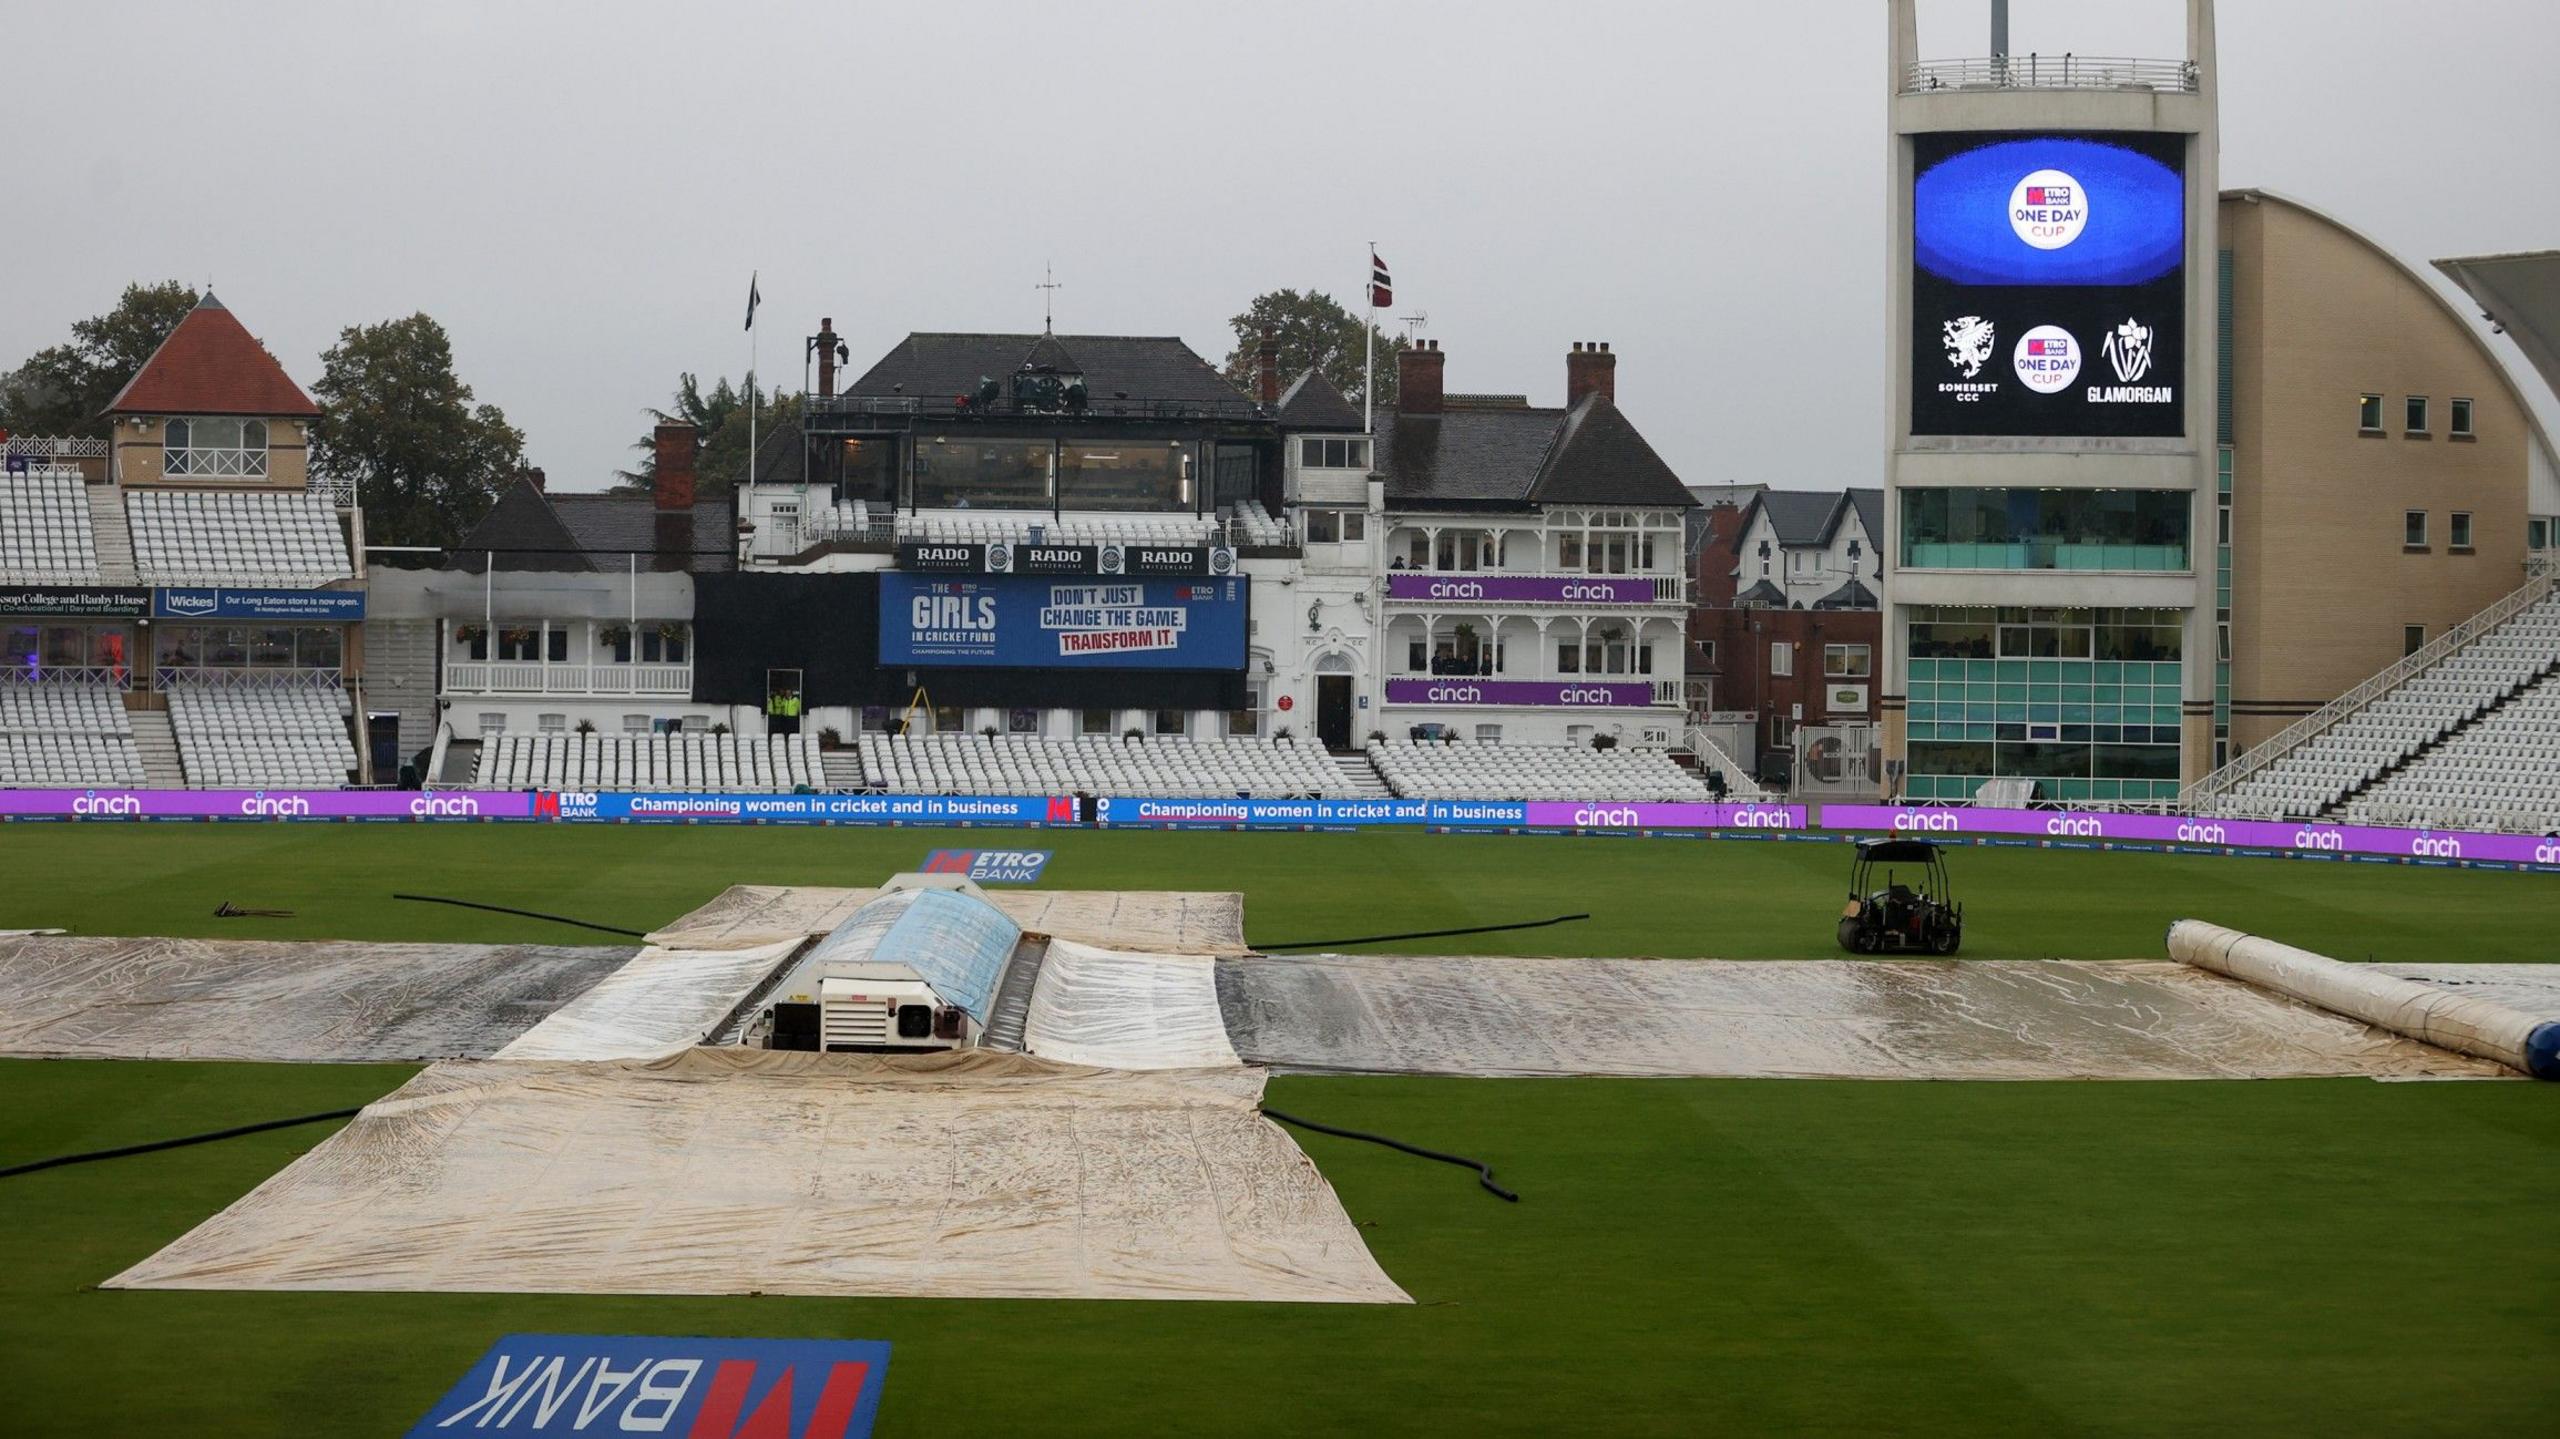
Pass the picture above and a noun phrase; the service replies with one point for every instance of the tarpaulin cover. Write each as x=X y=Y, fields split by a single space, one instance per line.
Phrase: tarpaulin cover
x=1906 y=1019
x=2465 y=1022
x=1127 y=1011
x=956 y=942
x=662 y=1001
x=2533 y=988
x=727 y=1171
x=1151 y=921
x=343 y=1001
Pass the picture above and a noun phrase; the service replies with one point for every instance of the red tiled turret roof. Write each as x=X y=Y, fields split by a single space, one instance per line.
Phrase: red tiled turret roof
x=210 y=365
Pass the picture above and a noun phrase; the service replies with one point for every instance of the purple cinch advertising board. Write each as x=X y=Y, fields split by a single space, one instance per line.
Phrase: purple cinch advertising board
x=265 y=804
x=1469 y=690
x=1611 y=814
x=2306 y=836
x=1523 y=589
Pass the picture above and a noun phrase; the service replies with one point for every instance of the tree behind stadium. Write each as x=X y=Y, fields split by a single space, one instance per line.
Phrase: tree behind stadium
x=61 y=389
x=1314 y=332
x=394 y=418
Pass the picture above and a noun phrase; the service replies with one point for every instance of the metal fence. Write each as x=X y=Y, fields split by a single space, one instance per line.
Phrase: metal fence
x=2052 y=72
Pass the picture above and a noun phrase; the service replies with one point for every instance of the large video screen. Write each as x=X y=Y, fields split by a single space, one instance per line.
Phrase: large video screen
x=1022 y=622
x=2048 y=284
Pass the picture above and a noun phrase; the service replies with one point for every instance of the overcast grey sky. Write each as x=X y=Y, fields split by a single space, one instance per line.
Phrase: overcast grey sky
x=578 y=192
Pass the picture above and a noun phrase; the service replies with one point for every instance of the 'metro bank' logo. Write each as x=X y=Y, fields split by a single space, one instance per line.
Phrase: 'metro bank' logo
x=587 y=1384
x=990 y=866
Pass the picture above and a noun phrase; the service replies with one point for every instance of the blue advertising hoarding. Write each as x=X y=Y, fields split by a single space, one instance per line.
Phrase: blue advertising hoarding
x=1025 y=622
x=628 y=1383
x=226 y=603
x=882 y=809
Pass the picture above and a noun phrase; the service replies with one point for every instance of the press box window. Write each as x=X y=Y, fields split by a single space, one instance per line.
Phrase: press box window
x=2458 y=531
x=2416 y=420
x=2369 y=414
x=2458 y=422
x=1325 y=527
x=1093 y=722
x=1317 y=452
x=2414 y=529
x=1173 y=722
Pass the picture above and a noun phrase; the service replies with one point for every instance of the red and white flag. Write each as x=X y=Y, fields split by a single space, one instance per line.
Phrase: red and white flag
x=1382 y=291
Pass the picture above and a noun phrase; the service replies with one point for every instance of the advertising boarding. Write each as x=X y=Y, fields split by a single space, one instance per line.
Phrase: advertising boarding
x=1024 y=622
x=2048 y=284
x=572 y=1384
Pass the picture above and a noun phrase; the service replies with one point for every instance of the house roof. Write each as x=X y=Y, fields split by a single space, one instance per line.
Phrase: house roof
x=211 y=365
x=1139 y=367
x=782 y=455
x=1761 y=595
x=531 y=530
x=1590 y=454
x=1850 y=596
x=1809 y=518
x=1314 y=404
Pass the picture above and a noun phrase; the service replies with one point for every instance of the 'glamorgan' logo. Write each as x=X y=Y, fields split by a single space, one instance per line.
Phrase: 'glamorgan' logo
x=2048 y=209
x=2128 y=350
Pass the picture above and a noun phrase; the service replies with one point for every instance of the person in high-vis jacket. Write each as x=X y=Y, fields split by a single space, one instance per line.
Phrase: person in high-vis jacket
x=782 y=712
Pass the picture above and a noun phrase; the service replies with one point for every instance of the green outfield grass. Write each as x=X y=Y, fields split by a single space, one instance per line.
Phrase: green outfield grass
x=1732 y=899
x=1691 y=1256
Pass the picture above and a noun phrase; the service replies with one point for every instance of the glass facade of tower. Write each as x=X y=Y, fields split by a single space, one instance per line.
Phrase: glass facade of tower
x=2084 y=701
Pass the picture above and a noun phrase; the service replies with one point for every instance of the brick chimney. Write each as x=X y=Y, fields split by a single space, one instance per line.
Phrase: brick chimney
x=826 y=343
x=1266 y=371
x=1590 y=369
x=676 y=450
x=533 y=476
x=1418 y=378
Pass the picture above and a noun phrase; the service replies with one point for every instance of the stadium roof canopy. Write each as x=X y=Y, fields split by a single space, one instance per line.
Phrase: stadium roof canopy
x=2520 y=294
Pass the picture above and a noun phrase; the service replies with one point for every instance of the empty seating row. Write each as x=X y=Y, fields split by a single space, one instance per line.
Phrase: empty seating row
x=2500 y=773
x=208 y=537
x=1429 y=770
x=65 y=735
x=2419 y=711
x=262 y=736
x=1015 y=529
x=681 y=763
x=46 y=537
x=1161 y=767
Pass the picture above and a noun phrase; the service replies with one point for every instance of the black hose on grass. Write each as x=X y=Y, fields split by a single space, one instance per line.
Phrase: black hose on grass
x=525 y=913
x=1484 y=1171
x=181 y=1142
x=1423 y=934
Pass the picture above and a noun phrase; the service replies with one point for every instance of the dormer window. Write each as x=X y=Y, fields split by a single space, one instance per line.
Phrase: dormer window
x=214 y=446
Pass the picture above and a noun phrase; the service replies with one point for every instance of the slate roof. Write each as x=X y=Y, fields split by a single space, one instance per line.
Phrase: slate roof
x=1141 y=367
x=1588 y=455
x=1809 y=518
x=211 y=365
x=531 y=530
x=1850 y=596
x=1314 y=404
x=782 y=455
x=1761 y=595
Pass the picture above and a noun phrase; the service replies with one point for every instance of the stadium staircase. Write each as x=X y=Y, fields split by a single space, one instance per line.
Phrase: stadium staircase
x=155 y=739
x=1360 y=777
x=841 y=769
x=113 y=539
x=2462 y=693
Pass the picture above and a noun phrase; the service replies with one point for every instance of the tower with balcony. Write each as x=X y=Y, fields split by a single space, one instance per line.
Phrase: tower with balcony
x=2051 y=262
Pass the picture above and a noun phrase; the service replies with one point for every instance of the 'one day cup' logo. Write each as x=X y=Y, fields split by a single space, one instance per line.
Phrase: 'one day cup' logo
x=2047 y=359
x=2048 y=209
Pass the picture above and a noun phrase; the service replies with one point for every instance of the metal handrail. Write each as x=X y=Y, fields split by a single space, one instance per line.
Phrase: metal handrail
x=1739 y=784
x=2053 y=72
x=1101 y=407
x=2426 y=657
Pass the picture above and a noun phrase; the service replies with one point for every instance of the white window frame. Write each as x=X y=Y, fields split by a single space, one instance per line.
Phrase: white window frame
x=1782 y=659
x=1866 y=658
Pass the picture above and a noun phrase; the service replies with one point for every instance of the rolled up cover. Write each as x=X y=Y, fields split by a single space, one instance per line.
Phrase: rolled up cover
x=2482 y=1028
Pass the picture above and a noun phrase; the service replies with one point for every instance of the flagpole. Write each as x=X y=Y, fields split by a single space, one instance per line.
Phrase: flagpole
x=1369 y=348
x=752 y=338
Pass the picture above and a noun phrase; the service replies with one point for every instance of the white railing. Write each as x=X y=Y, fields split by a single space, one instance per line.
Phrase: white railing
x=2052 y=72
x=2293 y=736
x=340 y=490
x=1667 y=589
x=115 y=676
x=532 y=677
x=1739 y=785
x=197 y=461
x=242 y=677
x=54 y=447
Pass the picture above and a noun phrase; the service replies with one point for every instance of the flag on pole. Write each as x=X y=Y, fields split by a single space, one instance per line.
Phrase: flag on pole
x=753 y=299
x=1382 y=290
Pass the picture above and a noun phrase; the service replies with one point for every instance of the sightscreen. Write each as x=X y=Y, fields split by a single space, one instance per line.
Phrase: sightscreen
x=1022 y=622
x=2048 y=284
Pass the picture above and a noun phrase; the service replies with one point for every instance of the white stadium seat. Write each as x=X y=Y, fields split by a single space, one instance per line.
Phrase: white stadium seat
x=687 y=763
x=277 y=539
x=1430 y=770
x=1162 y=767
x=46 y=537
x=274 y=735
x=66 y=735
